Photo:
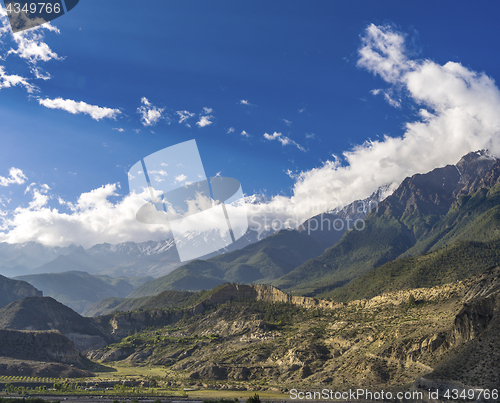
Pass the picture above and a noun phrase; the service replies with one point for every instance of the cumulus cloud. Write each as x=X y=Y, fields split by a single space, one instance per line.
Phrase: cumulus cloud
x=73 y=107
x=245 y=134
x=31 y=45
x=230 y=130
x=92 y=219
x=284 y=140
x=15 y=176
x=205 y=117
x=150 y=114
x=204 y=121
x=458 y=112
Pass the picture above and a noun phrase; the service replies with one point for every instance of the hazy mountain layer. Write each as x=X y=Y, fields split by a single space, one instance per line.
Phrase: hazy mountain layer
x=80 y=290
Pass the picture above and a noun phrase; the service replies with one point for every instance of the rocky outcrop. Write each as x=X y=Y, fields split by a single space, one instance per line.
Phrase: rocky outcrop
x=121 y=324
x=261 y=292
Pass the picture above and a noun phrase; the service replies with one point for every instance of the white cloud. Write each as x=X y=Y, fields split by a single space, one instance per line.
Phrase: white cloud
x=287 y=122
x=184 y=115
x=205 y=117
x=244 y=102
x=230 y=130
x=92 y=219
x=383 y=53
x=284 y=140
x=119 y=129
x=180 y=178
x=150 y=114
x=7 y=81
x=73 y=107
x=31 y=45
x=245 y=134
x=15 y=176
x=28 y=45
x=459 y=112
x=204 y=121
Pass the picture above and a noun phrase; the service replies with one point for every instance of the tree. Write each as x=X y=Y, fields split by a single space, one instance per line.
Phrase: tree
x=411 y=301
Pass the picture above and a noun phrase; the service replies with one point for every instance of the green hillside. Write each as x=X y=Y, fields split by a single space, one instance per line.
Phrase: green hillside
x=462 y=260
x=475 y=217
x=383 y=239
x=472 y=217
x=261 y=262
x=164 y=300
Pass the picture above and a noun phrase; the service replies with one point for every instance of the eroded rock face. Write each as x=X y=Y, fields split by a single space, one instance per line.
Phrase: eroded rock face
x=262 y=292
x=474 y=317
x=115 y=354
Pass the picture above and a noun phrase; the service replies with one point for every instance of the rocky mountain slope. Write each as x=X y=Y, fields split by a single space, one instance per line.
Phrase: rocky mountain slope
x=265 y=260
x=426 y=212
x=45 y=313
x=456 y=262
x=39 y=353
x=260 y=338
x=12 y=290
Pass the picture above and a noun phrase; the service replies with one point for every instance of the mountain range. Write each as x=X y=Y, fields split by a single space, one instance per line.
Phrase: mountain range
x=425 y=213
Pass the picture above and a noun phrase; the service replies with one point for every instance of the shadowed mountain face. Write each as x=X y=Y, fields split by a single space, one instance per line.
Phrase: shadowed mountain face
x=12 y=290
x=39 y=354
x=426 y=212
x=45 y=313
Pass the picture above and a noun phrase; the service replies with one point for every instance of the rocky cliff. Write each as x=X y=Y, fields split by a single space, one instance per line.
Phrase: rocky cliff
x=261 y=292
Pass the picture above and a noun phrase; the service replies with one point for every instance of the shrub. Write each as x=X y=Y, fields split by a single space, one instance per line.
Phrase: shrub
x=254 y=399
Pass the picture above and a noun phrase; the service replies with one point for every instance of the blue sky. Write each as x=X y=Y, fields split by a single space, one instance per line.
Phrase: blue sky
x=271 y=89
